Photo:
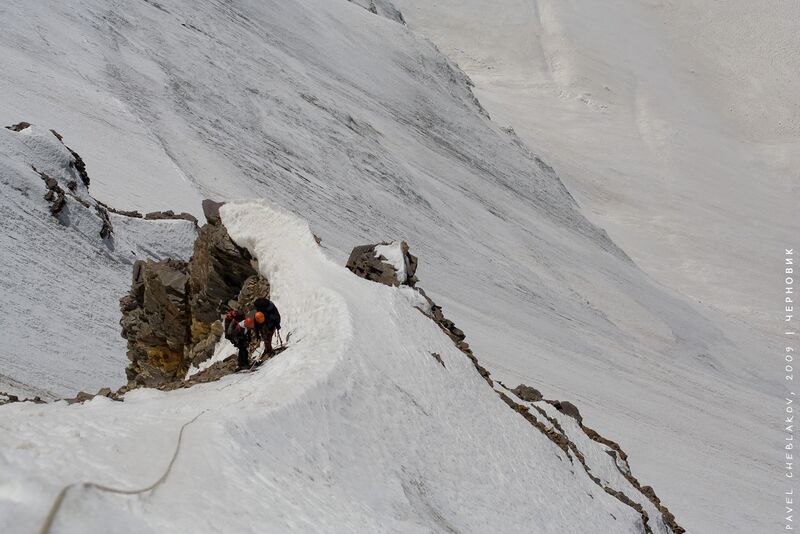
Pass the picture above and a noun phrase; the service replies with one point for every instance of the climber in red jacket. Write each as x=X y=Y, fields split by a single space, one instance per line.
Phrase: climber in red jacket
x=239 y=331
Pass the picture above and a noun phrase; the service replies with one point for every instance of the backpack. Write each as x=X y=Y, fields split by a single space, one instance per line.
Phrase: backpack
x=272 y=318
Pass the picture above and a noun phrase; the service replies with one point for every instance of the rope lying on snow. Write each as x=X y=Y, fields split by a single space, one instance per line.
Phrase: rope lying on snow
x=51 y=516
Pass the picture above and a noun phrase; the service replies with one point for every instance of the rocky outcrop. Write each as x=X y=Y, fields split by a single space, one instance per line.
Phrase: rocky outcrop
x=211 y=211
x=218 y=270
x=70 y=186
x=367 y=262
x=126 y=213
x=78 y=164
x=527 y=393
x=568 y=409
x=172 y=315
x=169 y=214
x=19 y=126
x=8 y=398
x=222 y=276
x=364 y=263
x=155 y=321
x=55 y=195
x=82 y=396
x=106 y=230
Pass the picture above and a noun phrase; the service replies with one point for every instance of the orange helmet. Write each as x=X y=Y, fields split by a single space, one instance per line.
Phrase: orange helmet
x=260 y=318
x=248 y=322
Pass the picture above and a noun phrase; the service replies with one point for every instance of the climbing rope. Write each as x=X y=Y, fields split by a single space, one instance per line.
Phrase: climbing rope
x=51 y=516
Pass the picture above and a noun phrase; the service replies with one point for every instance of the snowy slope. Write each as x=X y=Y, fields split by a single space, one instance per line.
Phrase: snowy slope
x=676 y=124
x=369 y=133
x=60 y=281
x=354 y=428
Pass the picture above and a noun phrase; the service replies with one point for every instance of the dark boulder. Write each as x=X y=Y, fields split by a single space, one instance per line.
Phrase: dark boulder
x=7 y=398
x=19 y=126
x=365 y=262
x=568 y=409
x=211 y=211
x=527 y=393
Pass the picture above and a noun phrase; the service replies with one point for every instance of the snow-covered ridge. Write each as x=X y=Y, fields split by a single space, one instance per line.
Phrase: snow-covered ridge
x=355 y=427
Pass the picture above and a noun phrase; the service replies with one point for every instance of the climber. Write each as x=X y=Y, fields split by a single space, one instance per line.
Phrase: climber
x=267 y=322
x=238 y=330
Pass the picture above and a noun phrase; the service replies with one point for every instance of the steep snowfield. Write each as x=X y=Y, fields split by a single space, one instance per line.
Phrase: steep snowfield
x=677 y=124
x=354 y=428
x=60 y=281
x=369 y=133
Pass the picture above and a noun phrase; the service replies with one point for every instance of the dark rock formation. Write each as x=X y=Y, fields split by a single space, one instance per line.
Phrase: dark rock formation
x=55 y=195
x=79 y=166
x=212 y=374
x=556 y=437
x=132 y=214
x=82 y=396
x=106 y=230
x=567 y=408
x=172 y=315
x=77 y=163
x=169 y=214
x=155 y=321
x=211 y=211
x=222 y=276
x=527 y=393
x=217 y=271
x=18 y=127
x=8 y=398
x=366 y=263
